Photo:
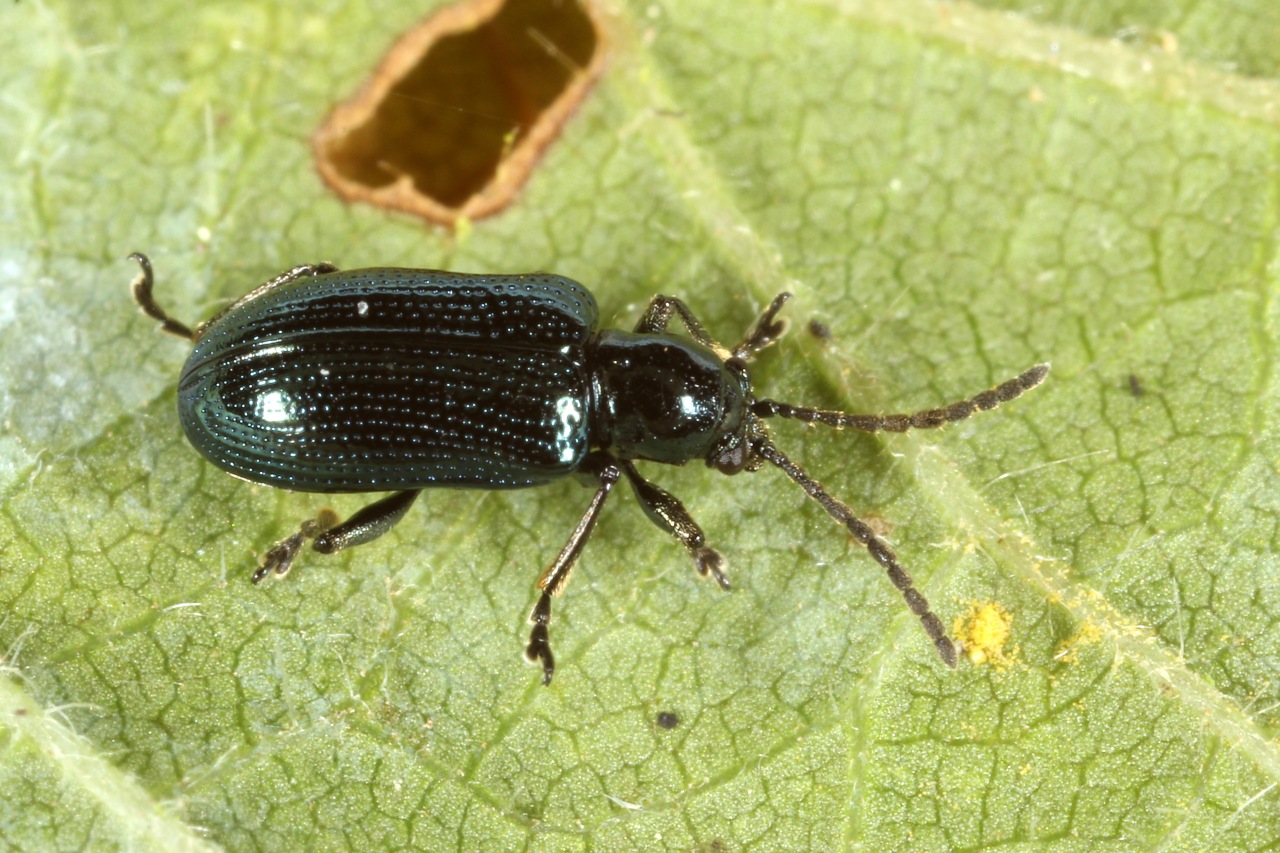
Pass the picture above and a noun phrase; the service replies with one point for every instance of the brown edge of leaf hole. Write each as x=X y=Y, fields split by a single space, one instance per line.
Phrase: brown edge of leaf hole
x=514 y=168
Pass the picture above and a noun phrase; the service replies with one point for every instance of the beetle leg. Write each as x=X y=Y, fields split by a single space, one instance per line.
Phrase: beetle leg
x=366 y=525
x=668 y=513
x=553 y=580
x=766 y=329
x=144 y=281
x=658 y=316
x=141 y=287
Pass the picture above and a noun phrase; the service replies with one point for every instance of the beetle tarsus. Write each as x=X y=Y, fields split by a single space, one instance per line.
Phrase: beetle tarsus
x=539 y=648
x=765 y=331
x=329 y=534
x=280 y=558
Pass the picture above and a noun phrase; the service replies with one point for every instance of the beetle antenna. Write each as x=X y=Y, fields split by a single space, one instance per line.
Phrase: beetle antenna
x=141 y=287
x=882 y=553
x=927 y=419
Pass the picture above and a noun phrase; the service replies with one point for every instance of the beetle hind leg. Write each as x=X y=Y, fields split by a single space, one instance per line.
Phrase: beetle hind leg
x=331 y=535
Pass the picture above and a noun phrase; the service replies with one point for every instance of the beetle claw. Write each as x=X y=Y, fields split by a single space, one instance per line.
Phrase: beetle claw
x=710 y=562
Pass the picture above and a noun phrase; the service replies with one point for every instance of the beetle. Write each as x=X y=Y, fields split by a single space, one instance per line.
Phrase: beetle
x=387 y=379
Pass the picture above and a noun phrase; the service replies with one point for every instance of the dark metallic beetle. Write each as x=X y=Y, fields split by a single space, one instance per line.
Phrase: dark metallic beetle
x=403 y=379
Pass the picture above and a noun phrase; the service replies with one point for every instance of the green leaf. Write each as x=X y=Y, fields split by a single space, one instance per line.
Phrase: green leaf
x=956 y=193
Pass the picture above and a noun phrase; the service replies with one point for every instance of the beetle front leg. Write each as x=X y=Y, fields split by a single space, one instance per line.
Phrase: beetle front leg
x=658 y=315
x=553 y=580
x=330 y=535
x=668 y=513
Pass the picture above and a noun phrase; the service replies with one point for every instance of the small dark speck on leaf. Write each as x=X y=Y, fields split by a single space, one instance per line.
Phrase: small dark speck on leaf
x=1135 y=385
x=668 y=720
x=819 y=330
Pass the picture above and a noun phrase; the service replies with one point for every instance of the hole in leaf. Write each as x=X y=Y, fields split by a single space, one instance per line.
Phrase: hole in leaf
x=461 y=108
